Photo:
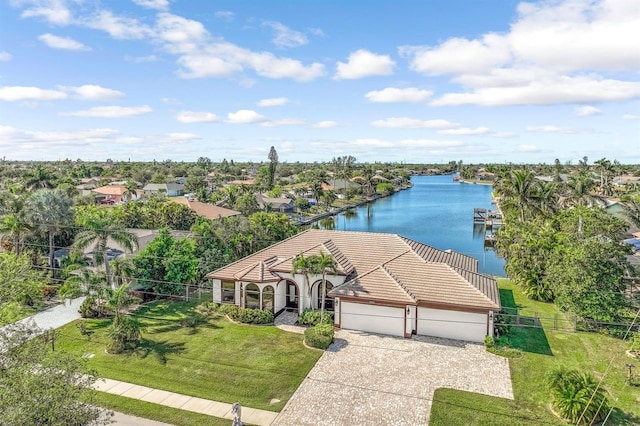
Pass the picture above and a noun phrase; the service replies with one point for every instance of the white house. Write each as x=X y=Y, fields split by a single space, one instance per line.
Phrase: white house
x=385 y=283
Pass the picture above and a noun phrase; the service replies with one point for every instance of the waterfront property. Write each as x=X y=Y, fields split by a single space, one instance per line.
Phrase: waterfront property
x=384 y=283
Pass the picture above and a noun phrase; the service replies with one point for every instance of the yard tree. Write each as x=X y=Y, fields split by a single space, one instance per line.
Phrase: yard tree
x=50 y=211
x=323 y=264
x=21 y=285
x=273 y=164
x=99 y=229
x=42 y=387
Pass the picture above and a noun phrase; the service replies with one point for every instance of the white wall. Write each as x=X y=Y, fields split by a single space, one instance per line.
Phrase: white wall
x=217 y=291
x=372 y=318
x=452 y=324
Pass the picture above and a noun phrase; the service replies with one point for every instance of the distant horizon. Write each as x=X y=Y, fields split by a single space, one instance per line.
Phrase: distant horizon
x=485 y=82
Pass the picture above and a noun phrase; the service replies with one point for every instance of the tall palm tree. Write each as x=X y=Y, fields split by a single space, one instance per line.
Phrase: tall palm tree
x=49 y=211
x=580 y=187
x=518 y=189
x=303 y=265
x=123 y=268
x=99 y=228
x=39 y=178
x=322 y=264
x=14 y=227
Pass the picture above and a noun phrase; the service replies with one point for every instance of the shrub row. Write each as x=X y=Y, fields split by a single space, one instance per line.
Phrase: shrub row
x=244 y=315
x=319 y=336
x=309 y=317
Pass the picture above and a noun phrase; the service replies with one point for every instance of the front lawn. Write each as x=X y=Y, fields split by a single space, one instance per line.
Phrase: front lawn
x=219 y=360
x=544 y=349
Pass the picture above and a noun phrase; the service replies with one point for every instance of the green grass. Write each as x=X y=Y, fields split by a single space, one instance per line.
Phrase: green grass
x=544 y=350
x=220 y=360
x=161 y=413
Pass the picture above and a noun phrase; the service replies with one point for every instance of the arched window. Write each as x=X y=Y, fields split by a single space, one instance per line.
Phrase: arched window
x=252 y=297
x=328 y=301
x=267 y=298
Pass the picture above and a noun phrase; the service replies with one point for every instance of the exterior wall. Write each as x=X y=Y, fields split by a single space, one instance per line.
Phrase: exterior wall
x=217 y=291
x=372 y=318
x=410 y=325
x=457 y=325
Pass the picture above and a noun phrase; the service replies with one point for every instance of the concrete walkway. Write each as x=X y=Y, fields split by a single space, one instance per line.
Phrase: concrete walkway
x=184 y=402
x=57 y=316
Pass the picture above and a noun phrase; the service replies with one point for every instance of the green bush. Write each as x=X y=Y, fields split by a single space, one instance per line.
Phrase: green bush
x=90 y=308
x=254 y=316
x=309 y=317
x=319 y=336
x=230 y=310
x=489 y=342
x=207 y=308
x=577 y=395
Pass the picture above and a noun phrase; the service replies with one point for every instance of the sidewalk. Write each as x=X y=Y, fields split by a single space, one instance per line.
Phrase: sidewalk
x=57 y=316
x=184 y=402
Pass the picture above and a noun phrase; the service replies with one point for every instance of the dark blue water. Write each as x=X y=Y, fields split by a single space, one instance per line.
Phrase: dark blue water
x=437 y=211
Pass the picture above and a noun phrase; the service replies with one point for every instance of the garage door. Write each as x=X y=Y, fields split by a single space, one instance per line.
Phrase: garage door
x=452 y=324
x=372 y=318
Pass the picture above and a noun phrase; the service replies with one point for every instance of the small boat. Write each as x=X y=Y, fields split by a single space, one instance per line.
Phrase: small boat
x=456 y=178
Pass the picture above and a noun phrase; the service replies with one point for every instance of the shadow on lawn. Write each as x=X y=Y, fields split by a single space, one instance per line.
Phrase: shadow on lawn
x=524 y=333
x=160 y=349
x=624 y=418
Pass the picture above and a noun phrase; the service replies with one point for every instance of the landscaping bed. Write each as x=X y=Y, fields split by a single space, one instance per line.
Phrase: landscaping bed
x=217 y=360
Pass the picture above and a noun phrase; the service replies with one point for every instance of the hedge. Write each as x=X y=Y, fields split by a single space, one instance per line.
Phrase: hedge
x=309 y=317
x=244 y=315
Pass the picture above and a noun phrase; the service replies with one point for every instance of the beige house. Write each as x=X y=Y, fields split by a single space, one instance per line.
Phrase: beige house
x=385 y=283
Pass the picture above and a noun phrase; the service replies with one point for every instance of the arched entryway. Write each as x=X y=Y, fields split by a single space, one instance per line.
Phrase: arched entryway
x=252 y=296
x=292 y=296
x=328 y=301
x=268 y=297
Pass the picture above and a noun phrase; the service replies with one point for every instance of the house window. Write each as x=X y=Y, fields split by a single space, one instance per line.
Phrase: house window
x=328 y=301
x=267 y=298
x=252 y=299
x=229 y=292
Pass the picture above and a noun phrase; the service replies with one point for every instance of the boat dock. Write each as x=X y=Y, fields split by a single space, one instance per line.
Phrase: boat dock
x=491 y=221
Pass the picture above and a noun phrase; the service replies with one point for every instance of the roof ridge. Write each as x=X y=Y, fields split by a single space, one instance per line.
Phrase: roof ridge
x=341 y=258
x=398 y=281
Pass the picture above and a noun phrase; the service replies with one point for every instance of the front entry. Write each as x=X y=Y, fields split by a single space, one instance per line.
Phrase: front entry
x=291 y=297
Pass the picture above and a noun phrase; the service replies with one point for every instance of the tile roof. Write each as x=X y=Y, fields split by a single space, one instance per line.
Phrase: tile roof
x=111 y=190
x=210 y=211
x=382 y=267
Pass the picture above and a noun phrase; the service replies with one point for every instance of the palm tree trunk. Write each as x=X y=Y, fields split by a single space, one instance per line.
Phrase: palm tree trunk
x=51 y=253
x=323 y=296
x=16 y=243
x=107 y=271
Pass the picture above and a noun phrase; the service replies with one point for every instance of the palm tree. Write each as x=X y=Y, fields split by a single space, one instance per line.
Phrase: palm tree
x=49 y=211
x=14 y=227
x=101 y=227
x=303 y=265
x=366 y=180
x=632 y=211
x=123 y=269
x=119 y=300
x=130 y=190
x=580 y=187
x=322 y=264
x=518 y=189
x=577 y=396
x=39 y=178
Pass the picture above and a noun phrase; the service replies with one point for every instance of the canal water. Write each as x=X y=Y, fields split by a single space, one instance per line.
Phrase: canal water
x=437 y=211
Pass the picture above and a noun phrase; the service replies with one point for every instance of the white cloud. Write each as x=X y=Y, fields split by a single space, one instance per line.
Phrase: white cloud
x=5 y=56
x=52 y=11
x=245 y=116
x=527 y=148
x=395 y=95
x=555 y=52
x=459 y=55
x=285 y=36
x=92 y=92
x=363 y=63
x=550 y=129
x=586 y=110
x=118 y=27
x=65 y=43
x=283 y=122
x=196 y=117
x=630 y=117
x=482 y=130
x=413 y=123
x=153 y=4
x=27 y=93
x=141 y=59
x=504 y=135
x=556 y=90
x=271 y=102
x=404 y=143
x=325 y=124
x=225 y=15
x=111 y=112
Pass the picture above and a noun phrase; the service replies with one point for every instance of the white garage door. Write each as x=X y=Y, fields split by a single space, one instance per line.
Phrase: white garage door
x=372 y=318
x=452 y=324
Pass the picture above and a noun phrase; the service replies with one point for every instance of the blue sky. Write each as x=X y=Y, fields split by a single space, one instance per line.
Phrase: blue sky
x=408 y=80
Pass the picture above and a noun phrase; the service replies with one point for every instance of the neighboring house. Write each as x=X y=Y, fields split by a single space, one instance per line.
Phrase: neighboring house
x=206 y=210
x=168 y=189
x=547 y=179
x=281 y=205
x=113 y=194
x=247 y=182
x=385 y=283
x=340 y=185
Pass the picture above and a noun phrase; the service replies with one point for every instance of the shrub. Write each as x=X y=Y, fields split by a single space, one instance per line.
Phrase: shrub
x=254 y=316
x=207 y=308
x=319 y=336
x=309 y=317
x=49 y=291
x=577 y=396
x=90 y=308
x=230 y=310
x=193 y=319
x=489 y=342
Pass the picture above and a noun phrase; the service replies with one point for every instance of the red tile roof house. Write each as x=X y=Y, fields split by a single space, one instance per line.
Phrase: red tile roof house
x=113 y=194
x=385 y=284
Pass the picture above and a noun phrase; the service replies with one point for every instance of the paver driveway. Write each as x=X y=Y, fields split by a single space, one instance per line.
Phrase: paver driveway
x=367 y=379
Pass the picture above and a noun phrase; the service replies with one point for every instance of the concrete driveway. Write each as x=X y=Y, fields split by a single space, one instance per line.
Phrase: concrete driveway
x=368 y=379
